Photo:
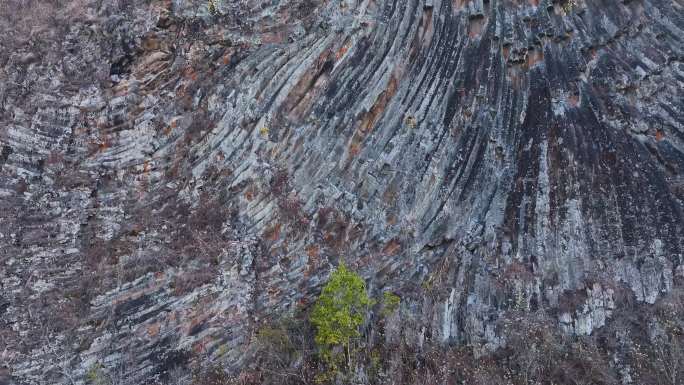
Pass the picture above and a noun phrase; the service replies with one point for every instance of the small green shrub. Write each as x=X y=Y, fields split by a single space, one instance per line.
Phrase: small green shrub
x=97 y=376
x=213 y=7
x=276 y=339
x=284 y=351
x=390 y=303
x=338 y=313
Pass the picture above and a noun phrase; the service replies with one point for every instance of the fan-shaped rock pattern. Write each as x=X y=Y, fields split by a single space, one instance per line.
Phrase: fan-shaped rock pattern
x=170 y=178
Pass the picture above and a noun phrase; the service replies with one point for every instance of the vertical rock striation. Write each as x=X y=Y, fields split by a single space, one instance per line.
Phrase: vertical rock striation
x=170 y=178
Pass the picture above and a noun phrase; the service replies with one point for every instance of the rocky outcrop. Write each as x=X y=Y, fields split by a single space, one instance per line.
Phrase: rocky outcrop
x=172 y=177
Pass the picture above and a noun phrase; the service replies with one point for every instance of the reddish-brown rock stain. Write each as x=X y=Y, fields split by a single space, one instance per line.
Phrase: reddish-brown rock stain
x=272 y=233
x=369 y=119
x=153 y=329
x=342 y=51
x=534 y=56
x=392 y=247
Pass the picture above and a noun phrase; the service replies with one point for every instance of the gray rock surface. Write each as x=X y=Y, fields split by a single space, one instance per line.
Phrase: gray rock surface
x=170 y=178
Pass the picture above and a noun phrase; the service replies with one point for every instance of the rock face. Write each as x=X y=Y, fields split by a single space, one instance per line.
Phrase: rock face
x=171 y=177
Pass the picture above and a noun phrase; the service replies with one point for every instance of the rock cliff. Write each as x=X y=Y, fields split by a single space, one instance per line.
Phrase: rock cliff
x=176 y=174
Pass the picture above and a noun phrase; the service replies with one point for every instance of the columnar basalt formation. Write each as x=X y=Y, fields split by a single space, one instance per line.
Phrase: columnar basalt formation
x=170 y=177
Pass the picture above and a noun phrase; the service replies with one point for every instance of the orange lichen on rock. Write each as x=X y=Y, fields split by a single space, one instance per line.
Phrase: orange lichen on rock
x=153 y=329
x=378 y=108
x=354 y=148
x=302 y=94
x=342 y=51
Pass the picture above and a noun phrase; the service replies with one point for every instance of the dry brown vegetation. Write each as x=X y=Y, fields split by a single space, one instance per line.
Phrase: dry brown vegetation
x=535 y=354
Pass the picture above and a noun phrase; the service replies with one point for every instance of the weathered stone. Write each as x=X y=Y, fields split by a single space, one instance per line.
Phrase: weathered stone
x=170 y=178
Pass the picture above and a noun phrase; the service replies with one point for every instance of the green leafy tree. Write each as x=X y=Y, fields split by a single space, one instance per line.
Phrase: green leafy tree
x=339 y=312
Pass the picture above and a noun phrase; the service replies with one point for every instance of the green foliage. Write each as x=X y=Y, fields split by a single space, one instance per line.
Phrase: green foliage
x=212 y=5
x=390 y=303
x=275 y=338
x=326 y=377
x=339 y=312
x=96 y=375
